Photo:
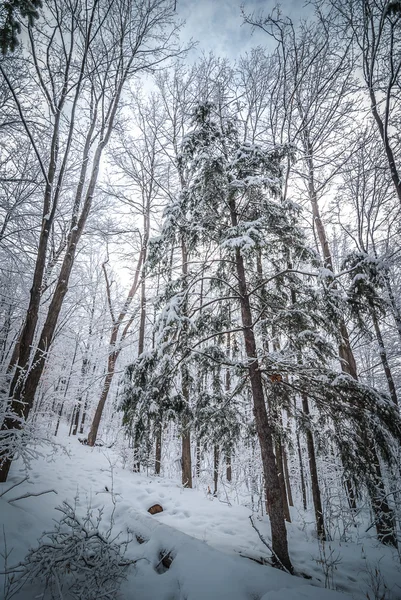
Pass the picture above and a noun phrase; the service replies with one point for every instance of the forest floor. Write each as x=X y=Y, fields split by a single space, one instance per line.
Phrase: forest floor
x=211 y=543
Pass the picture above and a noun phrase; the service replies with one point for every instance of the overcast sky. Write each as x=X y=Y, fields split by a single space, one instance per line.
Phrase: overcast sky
x=217 y=24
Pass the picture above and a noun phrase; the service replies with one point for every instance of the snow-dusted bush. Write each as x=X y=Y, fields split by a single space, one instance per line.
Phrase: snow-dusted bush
x=76 y=560
x=27 y=440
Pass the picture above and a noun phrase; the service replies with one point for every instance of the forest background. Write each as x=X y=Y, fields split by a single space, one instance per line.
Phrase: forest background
x=200 y=255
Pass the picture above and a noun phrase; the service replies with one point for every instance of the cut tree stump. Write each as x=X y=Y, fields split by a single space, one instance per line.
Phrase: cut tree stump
x=156 y=508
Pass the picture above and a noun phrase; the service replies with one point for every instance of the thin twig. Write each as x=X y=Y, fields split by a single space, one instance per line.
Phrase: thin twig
x=13 y=486
x=262 y=539
x=33 y=494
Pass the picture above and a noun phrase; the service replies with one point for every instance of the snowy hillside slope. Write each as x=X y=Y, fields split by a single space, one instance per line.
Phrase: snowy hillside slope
x=211 y=543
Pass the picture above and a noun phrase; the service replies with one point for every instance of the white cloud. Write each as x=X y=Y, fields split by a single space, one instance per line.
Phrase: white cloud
x=217 y=24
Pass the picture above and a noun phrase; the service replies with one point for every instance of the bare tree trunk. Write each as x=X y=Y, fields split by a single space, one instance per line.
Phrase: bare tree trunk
x=115 y=352
x=100 y=407
x=186 y=432
x=72 y=420
x=350 y=494
x=229 y=474
x=83 y=419
x=60 y=412
x=158 y=455
x=28 y=390
x=383 y=512
x=24 y=344
x=76 y=419
x=186 y=455
x=263 y=428
x=216 y=461
x=23 y=347
x=228 y=454
x=383 y=357
x=317 y=502
x=117 y=324
x=279 y=461
x=198 y=459
x=86 y=404
x=186 y=460
x=301 y=471
x=287 y=477
x=79 y=404
x=382 y=127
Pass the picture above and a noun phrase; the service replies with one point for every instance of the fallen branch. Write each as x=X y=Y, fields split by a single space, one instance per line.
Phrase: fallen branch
x=33 y=494
x=166 y=560
x=13 y=486
x=260 y=561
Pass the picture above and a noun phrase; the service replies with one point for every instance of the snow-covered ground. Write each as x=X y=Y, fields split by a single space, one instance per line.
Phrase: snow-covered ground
x=212 y=543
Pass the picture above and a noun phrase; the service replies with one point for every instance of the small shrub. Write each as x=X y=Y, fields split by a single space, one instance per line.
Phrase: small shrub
x=77 y=557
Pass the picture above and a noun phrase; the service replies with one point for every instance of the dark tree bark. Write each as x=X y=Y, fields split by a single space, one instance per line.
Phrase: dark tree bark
x=216 y=461
x=301 y=472
x=158 y=454
x=227 y=387
x=383 y=513
x=186 y=460
x=317 y=502
x=186 y=431
x=72 y=420
x=263 y=428
x=198 y=458
x=229 y=474
x=287 y=477
x=280 y=473
x=350 y=494
x=384 y=358
x=84 y=412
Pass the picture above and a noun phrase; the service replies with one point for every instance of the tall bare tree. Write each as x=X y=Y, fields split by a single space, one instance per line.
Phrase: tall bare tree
x=374 y=29
x=138 y=162
x=118 y=42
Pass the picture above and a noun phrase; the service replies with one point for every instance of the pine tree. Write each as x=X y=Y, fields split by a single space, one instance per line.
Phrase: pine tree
x=10 y=27
x=254 y=258
x=226 y=206
x=367 y=275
